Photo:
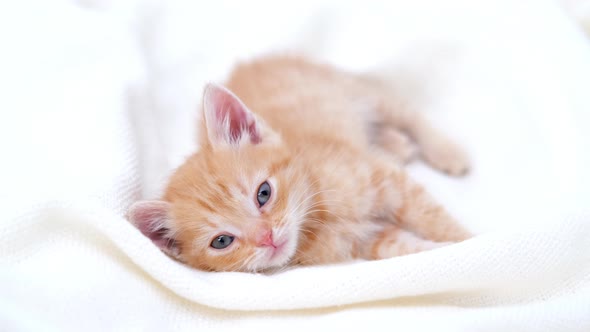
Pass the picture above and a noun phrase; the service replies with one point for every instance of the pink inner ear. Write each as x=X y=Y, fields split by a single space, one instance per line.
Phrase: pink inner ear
x=151 y=218
x=225 y=106
x=254 y=135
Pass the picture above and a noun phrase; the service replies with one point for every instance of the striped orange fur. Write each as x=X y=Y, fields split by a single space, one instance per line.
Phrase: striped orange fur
x=331 y=145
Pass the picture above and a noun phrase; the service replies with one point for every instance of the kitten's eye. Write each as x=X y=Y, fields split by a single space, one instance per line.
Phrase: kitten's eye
x=263 y=193
x=222 y=241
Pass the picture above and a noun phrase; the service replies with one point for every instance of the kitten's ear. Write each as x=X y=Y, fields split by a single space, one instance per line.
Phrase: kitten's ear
x=228 y=121
x=152 y=218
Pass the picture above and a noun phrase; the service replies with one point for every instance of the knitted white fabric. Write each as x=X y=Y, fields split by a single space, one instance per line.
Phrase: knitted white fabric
x=99 y=104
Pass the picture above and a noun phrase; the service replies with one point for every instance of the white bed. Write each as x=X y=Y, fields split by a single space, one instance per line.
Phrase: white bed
x=99 y=102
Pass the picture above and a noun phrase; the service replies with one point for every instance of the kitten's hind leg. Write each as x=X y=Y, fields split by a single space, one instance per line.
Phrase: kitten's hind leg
x=395 y=241
x=396 y=143
x=435 y=147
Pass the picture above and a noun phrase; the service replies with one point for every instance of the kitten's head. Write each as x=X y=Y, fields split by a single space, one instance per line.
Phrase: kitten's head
x=236 y=205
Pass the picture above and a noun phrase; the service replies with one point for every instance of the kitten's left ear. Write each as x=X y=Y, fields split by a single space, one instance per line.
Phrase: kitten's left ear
x=152 y=218
x=229 y=122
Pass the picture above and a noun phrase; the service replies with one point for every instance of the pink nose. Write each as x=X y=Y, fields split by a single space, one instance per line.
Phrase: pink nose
x=265 y=239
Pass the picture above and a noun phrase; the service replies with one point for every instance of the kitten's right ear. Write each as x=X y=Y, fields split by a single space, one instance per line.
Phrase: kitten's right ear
x=152 y=218
x=228 y=122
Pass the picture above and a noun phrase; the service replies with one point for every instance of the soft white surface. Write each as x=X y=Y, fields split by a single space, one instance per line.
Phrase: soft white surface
x=99 y=102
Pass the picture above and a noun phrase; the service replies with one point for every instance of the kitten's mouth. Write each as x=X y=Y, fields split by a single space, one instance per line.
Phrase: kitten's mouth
x=278 y=250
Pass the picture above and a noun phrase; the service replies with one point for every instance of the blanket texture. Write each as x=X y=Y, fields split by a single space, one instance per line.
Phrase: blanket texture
x=100 y=105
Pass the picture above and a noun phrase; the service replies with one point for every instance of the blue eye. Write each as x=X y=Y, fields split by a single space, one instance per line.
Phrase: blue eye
x=263 y=193
x=222 y=241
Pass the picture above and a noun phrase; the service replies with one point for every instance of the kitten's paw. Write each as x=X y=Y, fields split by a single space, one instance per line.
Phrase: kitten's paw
x=447 y=157
x=399 y=144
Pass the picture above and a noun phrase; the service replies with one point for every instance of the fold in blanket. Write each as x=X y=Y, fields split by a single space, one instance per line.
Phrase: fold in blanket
x=503 y=270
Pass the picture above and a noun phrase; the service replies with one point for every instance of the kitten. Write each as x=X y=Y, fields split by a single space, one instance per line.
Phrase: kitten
x=299 y=164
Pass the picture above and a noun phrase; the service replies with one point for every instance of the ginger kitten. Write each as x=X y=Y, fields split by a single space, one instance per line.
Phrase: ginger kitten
x=300 y=163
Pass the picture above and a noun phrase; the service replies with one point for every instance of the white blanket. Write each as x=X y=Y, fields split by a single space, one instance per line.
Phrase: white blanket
x=99 y=101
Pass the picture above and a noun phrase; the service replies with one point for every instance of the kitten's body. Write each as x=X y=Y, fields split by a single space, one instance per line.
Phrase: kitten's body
x=331 y=146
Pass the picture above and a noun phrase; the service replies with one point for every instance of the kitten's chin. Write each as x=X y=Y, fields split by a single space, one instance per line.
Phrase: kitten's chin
x=279 y=255
x=277 y=258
